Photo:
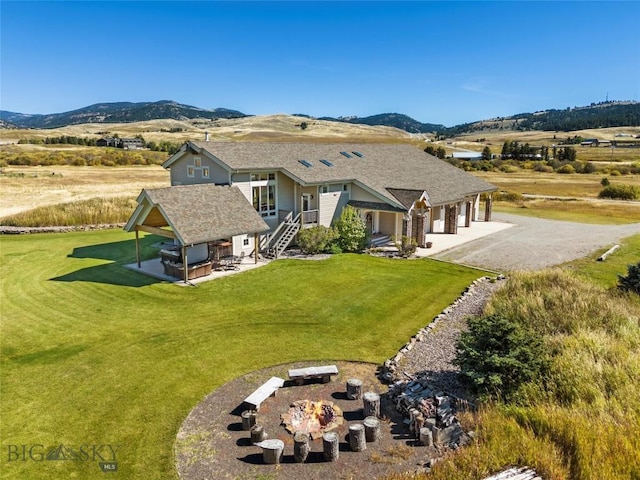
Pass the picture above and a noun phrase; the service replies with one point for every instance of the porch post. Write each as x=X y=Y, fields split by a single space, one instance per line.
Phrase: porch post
x=256 y=242
x=185 y=264
x=406 y=225
x=138 y=249
x=487 y=208
x=467 y=218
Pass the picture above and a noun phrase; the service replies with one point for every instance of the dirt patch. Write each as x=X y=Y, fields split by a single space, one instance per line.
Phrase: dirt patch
x=212 y=444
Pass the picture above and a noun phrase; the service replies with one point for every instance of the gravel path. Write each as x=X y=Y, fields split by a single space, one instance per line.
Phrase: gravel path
x=431 y=355
x=535 y=243
x=531 y=244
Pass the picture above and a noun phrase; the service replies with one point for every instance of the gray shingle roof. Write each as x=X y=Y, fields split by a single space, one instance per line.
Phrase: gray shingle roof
x=201 y=213
x=380 y=168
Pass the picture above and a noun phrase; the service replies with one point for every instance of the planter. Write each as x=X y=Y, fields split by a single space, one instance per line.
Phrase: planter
x=429 y=244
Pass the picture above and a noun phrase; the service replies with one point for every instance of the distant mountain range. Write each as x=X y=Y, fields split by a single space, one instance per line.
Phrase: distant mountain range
x=604 y=114
x=120 y=112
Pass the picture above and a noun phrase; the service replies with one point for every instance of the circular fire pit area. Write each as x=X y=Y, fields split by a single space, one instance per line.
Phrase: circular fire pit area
x=348 y=427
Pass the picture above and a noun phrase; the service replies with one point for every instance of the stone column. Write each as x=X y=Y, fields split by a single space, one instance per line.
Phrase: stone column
x=421 y=231
x=487 y=208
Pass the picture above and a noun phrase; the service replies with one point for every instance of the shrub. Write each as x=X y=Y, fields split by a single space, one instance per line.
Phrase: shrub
x=497 y=355
x=630 y=282
x=509 y=169
x=508 y=197
x=615 y=173
x=315 y=239
x=407 y=246
x=605 y=182
x=566 y=169
x=620 y=192
x=351 y=230
x=541 y=167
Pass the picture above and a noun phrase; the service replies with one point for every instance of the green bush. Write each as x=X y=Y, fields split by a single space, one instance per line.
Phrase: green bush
x=630 y=282
x=351 y=230
x=620 y=192
x=497 y=355
x=316 y=239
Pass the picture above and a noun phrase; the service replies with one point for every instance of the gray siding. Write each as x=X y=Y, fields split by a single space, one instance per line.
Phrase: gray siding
x=179 y=169
x=362 y=195
x=285 y=193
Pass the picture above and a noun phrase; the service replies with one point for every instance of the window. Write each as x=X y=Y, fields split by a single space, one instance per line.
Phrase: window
x=264 y=191
x=262 y=177
x=205 y=172
x=305 y=163
x=324 y=189
x=197 y=161
x=326 y=162
x=191 y=171
x=346 y=154
x=345 y=187
x=245 y=241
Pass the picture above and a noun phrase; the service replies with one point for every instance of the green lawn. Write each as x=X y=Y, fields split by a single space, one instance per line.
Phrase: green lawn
x=93 y=353
x=606 y=273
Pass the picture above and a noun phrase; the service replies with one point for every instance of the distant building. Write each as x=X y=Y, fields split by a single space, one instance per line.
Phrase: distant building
x=126 y=143
x=468 y=155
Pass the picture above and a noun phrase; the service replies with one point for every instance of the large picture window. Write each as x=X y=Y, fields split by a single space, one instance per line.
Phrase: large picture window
x=263 y=187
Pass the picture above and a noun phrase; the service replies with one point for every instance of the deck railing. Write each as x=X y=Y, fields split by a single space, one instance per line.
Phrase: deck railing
x=310 y=217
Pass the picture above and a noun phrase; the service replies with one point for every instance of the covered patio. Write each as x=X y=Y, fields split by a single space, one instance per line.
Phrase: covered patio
x=202 y=223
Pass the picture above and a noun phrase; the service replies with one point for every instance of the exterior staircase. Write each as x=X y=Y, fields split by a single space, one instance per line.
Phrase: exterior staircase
x=281 y=237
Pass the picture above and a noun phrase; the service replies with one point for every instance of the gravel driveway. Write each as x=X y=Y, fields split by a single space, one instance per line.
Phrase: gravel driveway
x=535 y=243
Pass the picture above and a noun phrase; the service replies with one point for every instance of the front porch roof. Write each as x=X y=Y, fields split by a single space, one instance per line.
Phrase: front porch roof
x=196 y=213
x=379 y=206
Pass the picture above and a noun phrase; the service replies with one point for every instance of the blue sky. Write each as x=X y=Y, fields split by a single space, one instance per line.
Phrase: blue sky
x=438 y=62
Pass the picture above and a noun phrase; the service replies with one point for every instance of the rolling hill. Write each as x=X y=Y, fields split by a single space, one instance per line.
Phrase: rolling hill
x=604 y=114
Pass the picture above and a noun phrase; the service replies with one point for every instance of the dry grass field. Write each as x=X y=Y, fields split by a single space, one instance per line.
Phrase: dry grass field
x=553 y=184
x=258 y=128
x=494 y=139
x=25 y=188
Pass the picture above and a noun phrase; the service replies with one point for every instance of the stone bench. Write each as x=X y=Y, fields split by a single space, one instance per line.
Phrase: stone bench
x=299 y=375
x=264 y=391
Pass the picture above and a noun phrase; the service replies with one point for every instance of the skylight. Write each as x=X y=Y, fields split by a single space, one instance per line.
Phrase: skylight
x=358 y=154
x=326 y=162
x=346 y=154
x=305 y=163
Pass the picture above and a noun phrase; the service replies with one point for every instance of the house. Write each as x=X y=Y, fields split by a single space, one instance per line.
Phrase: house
x=126 y=143
x=397 y=189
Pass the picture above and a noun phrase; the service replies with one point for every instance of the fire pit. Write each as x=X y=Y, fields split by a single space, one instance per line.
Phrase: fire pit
x=313 y=418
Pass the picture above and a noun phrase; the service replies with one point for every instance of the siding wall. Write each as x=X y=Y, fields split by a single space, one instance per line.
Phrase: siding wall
x=217 y=174
x=331 y=205
x=362 y=195
x=241 y=180
x=285 y=193
x=387 y=223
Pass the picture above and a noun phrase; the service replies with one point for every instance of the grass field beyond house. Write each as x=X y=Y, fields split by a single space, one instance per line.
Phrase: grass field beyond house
x=95 y=354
